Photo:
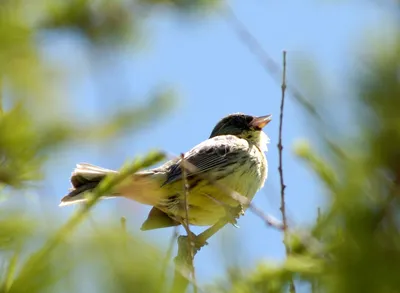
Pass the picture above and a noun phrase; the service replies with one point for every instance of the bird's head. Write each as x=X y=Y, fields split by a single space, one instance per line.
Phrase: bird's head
x=244 y=126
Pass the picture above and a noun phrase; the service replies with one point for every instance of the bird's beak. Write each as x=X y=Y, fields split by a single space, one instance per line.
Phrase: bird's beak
x=261 y=122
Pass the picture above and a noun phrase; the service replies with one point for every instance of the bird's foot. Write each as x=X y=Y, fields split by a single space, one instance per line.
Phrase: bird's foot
x=196 y=243
x=233 y=213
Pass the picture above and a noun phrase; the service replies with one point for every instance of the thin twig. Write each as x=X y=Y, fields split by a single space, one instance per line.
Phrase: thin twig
x=269 y=65
x=185 y=256
x=280 y=168
x=186 y=221
x=280 y=146
x=268 y=220
x=186 y=207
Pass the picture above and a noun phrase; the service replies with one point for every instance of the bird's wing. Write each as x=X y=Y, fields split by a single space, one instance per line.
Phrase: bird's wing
x=213 y=154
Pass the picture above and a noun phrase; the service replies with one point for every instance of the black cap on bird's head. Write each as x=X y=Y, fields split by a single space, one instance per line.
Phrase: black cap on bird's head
x=238 y=123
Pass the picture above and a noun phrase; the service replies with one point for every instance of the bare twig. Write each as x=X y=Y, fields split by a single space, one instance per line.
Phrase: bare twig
x=280 y=146
x=185 y=257
x=186 y=207
x=269 y=65
x=268 y=220
x=280 y=168
x=186 y=223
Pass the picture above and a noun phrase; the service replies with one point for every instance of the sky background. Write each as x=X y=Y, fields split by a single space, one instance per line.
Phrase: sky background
x=214 y=74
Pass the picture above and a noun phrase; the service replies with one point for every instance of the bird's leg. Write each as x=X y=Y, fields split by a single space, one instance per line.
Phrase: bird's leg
x=207 y=234
x=198 y=241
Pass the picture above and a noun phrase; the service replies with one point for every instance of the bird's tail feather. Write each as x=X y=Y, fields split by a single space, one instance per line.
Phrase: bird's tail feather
x=84 y=178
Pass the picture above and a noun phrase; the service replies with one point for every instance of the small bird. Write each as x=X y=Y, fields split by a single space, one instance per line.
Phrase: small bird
x=233 y=157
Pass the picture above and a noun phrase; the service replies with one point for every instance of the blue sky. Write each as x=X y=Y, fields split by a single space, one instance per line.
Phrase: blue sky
x=214 y=75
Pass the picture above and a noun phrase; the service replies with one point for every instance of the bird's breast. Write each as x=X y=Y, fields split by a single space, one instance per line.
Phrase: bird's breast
x=245 y=177
x=249 y=175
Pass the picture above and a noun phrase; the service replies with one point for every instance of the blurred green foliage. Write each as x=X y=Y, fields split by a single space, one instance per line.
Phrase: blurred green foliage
x=353 y=247
x=34 y=257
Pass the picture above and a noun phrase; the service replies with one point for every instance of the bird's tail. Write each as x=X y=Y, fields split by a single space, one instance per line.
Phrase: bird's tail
x=84 y=178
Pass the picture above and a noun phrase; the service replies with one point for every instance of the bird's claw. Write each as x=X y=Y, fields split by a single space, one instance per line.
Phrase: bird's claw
x=233 y=213
x=196 y=243
x=235 y=225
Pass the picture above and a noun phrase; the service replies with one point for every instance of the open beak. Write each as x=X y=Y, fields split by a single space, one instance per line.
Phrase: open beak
x=261 y=122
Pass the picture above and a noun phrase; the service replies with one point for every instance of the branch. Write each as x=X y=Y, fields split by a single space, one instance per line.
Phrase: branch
x=269 y=65
x=185 y=222
x=268 y=220
x=186 y=251
x=280 y=168
x=280 y=146
x=188 y=245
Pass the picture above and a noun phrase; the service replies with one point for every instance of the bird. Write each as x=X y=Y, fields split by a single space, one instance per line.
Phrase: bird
x=232 y=157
